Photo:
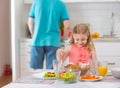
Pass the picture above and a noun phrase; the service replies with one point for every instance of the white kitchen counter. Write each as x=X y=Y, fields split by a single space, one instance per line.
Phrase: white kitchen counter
x=107 y=40
x=31 y=82
x=96 y=40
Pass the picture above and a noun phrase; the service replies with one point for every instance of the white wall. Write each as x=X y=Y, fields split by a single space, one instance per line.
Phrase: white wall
x=5 y=55
x=98 y=15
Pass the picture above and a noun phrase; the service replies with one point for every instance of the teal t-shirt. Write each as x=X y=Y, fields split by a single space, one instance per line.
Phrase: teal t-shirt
x=47 y=16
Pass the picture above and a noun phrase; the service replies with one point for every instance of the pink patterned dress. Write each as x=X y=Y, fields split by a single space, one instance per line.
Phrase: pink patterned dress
x=79 y=54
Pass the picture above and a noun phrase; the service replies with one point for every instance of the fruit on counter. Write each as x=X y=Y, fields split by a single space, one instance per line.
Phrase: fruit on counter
x=49 y=74
x=95 y=35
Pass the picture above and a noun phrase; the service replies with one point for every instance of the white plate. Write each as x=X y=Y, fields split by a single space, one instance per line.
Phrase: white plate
x=91 y=80
x=40 y=75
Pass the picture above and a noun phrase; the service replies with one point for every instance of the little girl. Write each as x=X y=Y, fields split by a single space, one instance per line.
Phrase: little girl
x=81 y=49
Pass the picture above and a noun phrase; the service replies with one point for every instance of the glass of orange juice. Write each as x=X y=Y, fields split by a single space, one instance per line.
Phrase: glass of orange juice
x=102 y=69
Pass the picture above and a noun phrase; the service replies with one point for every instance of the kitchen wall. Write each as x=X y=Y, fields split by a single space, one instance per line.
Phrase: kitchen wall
x=5 y=54
x=98 y=15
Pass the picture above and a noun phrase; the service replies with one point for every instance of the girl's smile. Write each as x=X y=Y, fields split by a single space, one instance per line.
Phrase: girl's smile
x=80 y=39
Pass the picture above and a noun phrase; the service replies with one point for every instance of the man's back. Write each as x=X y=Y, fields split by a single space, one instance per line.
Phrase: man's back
x=47 y=16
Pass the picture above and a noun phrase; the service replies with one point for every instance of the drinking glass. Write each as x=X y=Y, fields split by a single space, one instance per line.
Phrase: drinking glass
x=55 y=65
x=103 y=68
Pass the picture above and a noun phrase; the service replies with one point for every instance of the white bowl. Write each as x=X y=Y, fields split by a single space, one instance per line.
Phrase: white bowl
x=116 y=72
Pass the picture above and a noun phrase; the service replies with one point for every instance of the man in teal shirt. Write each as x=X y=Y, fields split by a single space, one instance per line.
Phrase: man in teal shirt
x=44 y=24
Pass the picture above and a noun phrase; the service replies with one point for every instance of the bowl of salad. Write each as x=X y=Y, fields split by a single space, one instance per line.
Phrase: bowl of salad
x=68 y=76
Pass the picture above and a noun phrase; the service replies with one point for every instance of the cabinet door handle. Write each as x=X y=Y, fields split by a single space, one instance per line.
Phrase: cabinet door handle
x=111 y=63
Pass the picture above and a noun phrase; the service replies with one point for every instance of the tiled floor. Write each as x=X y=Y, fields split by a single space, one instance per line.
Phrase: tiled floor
x=5 y=80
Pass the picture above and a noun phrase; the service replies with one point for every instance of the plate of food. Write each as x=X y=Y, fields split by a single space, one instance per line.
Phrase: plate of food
x=90 y=78
x=45 y=75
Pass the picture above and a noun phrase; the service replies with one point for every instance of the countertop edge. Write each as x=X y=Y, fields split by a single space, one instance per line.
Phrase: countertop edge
x=94 y=40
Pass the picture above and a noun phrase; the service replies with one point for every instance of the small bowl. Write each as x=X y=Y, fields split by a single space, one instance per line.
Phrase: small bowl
x=116 y=72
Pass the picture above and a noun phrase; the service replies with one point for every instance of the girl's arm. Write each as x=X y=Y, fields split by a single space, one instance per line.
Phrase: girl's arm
x=62 y=54
x=94 y=62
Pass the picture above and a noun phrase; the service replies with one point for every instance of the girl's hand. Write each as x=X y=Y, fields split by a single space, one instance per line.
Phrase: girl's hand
x=60 y=52
x=84 y=66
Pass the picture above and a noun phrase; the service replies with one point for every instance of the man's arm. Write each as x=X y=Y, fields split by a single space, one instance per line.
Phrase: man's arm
x=67 y=28
x=31 y=25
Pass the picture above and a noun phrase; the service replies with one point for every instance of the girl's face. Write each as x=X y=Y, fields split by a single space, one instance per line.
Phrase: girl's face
x=80 y=39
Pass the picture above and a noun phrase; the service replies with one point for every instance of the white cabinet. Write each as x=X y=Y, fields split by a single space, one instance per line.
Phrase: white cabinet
x=25 y=57
x=25 y=49
x=110 y=52
x=108 y=49
x=75 y=1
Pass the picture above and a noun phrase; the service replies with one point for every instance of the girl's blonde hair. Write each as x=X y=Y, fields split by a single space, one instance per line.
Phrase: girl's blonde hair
x=83 y=29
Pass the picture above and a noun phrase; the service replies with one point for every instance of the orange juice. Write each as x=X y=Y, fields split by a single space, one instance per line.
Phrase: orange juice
x=102 y=70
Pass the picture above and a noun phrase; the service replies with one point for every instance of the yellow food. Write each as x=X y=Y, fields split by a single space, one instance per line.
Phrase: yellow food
x=49 y=74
